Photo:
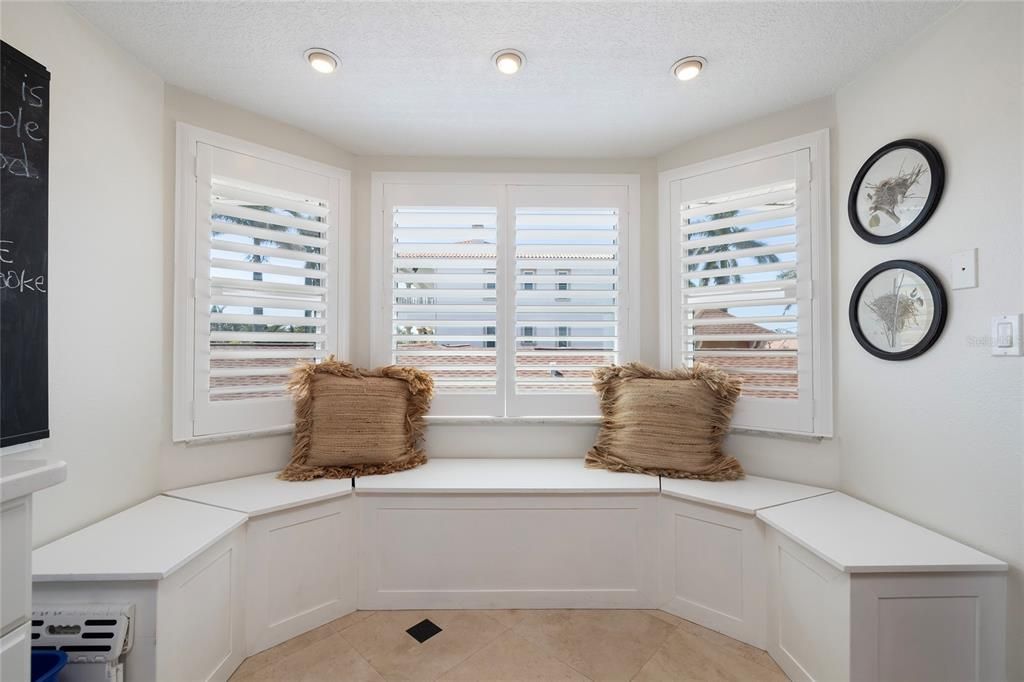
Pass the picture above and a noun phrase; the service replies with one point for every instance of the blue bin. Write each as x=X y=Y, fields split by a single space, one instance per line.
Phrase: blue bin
x=46 y=665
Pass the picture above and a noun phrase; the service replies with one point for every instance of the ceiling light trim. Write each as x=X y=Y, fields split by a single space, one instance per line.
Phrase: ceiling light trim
x=699 y=62
x=509 y=52
x=312 y=53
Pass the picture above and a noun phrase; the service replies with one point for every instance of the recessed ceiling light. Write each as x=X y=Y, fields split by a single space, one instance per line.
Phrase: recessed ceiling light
x=322 y=60
x=509 y=61
x=688 y=68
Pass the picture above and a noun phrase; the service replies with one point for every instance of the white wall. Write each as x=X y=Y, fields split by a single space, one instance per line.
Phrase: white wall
x=108 y=330
x=940 y=439
x=814 y=461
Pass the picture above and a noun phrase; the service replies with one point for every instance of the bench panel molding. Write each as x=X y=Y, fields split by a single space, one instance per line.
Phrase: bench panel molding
x=302 y=570
x=712 y=568
x=507 y=551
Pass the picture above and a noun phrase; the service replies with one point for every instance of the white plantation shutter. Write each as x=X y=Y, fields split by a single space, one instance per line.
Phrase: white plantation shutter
x=742 y=273
x=568 y=313
x=442 y=283
x=509 y=295
x=265 y=286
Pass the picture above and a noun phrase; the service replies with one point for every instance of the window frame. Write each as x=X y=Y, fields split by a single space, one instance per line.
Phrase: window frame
x=187 y=141
x=380 y=266
x=748 y=416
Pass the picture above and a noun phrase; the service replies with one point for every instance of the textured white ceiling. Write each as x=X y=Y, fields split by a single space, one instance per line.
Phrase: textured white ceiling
x=417 y=77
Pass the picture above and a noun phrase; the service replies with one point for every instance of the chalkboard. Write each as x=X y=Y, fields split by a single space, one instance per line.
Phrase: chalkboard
x=24 y=167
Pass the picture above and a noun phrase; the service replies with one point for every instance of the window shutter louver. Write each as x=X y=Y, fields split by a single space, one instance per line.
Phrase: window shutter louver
x=444 y=301
x=568 y=309
x=442 y=289
x=266 y=295
x=267 y=308
x=509 y=295
x=743 y=278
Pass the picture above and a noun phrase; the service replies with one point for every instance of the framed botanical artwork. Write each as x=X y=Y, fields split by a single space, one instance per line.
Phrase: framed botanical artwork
x=896 y=191
x=897 y=310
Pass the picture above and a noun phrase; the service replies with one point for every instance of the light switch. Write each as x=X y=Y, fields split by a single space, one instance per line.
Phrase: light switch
x=1006 y=334
x=965 y=269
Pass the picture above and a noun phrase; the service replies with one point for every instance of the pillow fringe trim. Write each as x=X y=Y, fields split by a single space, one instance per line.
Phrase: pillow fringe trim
x=421 y=391
x=724 y=386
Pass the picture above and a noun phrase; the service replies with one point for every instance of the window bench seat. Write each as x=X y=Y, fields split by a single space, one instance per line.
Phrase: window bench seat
x=300 y=551
x=858 y=593
x=180 y=563
x=513 y=533
x=833 y=588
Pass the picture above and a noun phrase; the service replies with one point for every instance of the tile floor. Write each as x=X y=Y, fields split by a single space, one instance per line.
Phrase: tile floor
x=512 y=645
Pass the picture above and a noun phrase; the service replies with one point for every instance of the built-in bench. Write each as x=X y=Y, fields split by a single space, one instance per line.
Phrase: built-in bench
x=722 y=585
x=180 y=563
x=834 y=588
x=507 y=533
x=300 y=551
x=857 y=593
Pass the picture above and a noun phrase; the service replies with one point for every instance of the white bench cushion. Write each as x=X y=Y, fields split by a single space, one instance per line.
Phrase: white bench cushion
x=856 y=537
x=746 y=495
x=146 y=542
x=264 y=493
x=538 y=476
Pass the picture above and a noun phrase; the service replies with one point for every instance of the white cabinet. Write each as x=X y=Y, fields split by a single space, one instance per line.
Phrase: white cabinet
x=15 y=650
x=711 y=551
x=856 y=593
x=300 y=551
x=15 y=562
x=19 y=479
x=180 y=563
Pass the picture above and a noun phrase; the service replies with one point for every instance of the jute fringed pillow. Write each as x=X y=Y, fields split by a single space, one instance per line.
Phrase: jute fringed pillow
x=356 y=422
x=666 y=423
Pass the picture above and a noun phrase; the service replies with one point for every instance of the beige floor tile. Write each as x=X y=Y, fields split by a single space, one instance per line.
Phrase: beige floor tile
x=515 y=617
x=685 y=656
x=382 y=640
x=511 y=657
x=603 y=645
x=349 y=620
x=665 y=616
x=330 y=659
x=731 y=645
x=269 y=656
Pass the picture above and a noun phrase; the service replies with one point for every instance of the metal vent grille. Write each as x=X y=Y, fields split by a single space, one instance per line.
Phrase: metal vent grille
x=89 y=633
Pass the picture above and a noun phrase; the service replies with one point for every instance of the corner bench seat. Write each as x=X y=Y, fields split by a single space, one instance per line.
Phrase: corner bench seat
x=856 y=537
x=179 y=563
x=712 y=550
x=858 y=593
x=833 y=588
x=264 y=493
x=300 y=551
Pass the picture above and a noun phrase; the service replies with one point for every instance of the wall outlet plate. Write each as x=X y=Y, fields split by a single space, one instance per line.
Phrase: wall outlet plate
x=1006 y=334
x=964 y=267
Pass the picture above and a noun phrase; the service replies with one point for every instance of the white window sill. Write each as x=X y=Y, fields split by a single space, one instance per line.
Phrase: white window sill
x=442 y=420
x=239 y=435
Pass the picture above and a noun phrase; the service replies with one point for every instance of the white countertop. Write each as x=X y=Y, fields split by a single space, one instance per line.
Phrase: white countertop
x=857 y=537
x=746 y=495
x=264 y=493
x=507 y=476
x=146 y=542
x=23 y=476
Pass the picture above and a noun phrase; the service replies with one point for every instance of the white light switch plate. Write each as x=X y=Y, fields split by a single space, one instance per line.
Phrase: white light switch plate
x=1006 y=334
x=965 y=269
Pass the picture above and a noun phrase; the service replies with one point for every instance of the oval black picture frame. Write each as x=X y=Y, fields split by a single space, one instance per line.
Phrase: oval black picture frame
x=937 y=172
x=934 y=329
